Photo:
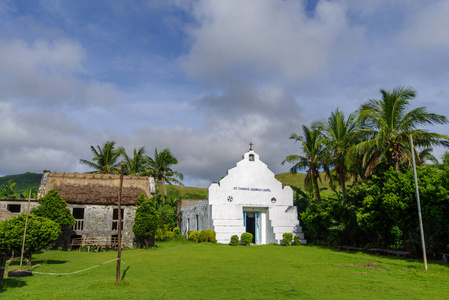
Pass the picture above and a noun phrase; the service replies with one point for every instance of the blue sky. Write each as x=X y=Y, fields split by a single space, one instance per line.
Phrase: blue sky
x=203 y=78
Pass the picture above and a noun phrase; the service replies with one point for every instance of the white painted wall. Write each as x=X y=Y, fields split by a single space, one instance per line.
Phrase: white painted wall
x=250 y=186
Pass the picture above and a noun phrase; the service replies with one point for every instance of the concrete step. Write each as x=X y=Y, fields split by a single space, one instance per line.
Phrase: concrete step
x=228 y=222
x=284 y=223
x=282 y=229
x=222 y=229
x=279 y=236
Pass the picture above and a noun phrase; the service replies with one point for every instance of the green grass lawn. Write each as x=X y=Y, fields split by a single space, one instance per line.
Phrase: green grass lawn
x=205 y=271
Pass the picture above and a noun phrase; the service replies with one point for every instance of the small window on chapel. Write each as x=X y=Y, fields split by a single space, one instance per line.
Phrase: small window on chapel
x=251 y=157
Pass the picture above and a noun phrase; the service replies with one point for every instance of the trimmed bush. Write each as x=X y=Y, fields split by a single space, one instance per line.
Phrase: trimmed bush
x=177 y=233
x=207 y=236
x=163 y=234
x=194 y=236
x=234 y=240
x=296 y=240
x=246 y=238
x=287 y=238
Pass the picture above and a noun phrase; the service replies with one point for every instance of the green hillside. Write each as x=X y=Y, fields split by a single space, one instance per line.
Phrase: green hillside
x=297 y=179
x=32 y=181
x=24 y=182
x=188 y=192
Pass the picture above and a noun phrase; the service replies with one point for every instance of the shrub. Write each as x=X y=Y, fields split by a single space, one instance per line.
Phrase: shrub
x=296 y=240
x=177 y=233
x=234 y=240
x=40 y=232
x=207 y=236
x=194 y=236
x=287 y=238
x=163 y=234
x=246 y=238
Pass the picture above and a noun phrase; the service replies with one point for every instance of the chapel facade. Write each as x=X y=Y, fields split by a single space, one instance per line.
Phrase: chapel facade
x=248 y=199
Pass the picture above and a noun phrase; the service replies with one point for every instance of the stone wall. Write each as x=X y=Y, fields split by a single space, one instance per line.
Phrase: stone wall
x=6 y=202
x=197 y=217
x=97 y=221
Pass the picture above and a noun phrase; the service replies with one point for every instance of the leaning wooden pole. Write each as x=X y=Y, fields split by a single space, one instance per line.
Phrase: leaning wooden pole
x=421 y=228
x=25 y=231
x=119 y=253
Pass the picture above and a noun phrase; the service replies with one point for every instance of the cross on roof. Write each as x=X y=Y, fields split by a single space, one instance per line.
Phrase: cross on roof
x=251 y=146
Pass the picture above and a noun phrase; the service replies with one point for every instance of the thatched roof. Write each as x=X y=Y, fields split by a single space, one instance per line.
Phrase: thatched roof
x=81 y=188
x=97 y=194
x=5 y=214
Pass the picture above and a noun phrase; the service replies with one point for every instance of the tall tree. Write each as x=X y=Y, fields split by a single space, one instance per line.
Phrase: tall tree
x=339 y=135
x=105 y=160
x=146 y=220
x=312 y=147
x=53 y=207
x=387 y=125
x=160 y=167
x=136 y=164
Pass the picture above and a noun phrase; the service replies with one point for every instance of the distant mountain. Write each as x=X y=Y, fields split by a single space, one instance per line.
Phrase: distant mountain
x=24 y=182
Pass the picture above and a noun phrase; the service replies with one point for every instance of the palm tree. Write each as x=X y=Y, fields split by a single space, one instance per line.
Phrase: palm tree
x=387 y=125
x=339 y=134
x=160 y=168
x=135 y=165
x=312 y=147
x=426 y=155
x=105 y=159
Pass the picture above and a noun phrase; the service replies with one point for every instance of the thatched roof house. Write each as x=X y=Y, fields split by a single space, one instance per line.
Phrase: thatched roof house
x=82 y=188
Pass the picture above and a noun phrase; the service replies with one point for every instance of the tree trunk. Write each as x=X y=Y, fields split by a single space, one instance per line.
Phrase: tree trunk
x=343 y=186
x=317 y=188
x=2 y=268
x=146 y=243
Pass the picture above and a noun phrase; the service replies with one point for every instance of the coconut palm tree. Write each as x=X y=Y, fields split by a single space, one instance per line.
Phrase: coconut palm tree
x=312 y=147
x=387 y=125
x=135 y=165
x=105 y=160
x=160 y=168
x=339 y=135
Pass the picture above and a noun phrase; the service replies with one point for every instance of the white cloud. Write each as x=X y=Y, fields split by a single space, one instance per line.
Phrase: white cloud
x=427 y=27
x=36 y=141
x=266 y=40
x=48 y=73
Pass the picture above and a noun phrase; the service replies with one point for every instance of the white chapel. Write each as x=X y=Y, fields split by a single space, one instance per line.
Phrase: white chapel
x=248 y=199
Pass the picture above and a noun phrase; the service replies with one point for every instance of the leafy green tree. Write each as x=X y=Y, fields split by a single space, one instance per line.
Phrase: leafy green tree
x=318 y=218
x=160 y=168
x=135 y=165
x=146 y=221
x=387 y=125
x=7 y=190
x=339 y=135
x=311 y=161
x=40 y=233
x=105 y=160
x=386 y=204
x=53 y=207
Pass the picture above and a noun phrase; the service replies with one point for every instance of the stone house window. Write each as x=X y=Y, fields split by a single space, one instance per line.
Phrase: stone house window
x=78 y=214
x=197 y=223
x=14 y=208
x=115 y=218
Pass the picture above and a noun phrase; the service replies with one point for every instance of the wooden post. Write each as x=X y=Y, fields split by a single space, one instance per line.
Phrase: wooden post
x=421 y=229
x=119 y=252
x=25 y=231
